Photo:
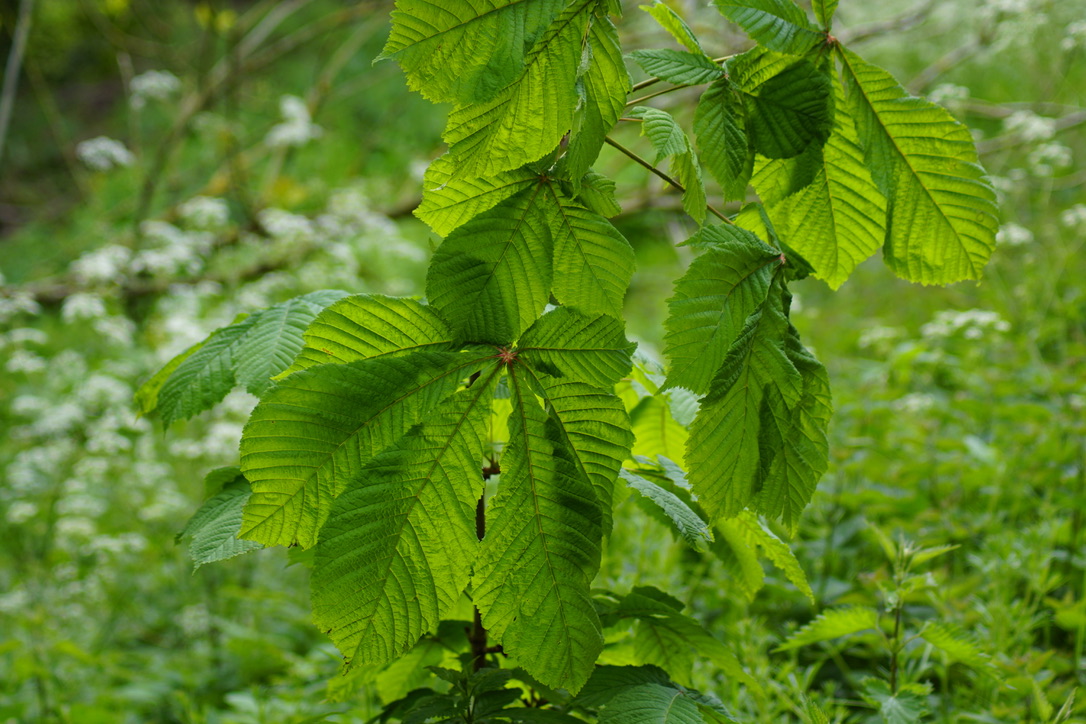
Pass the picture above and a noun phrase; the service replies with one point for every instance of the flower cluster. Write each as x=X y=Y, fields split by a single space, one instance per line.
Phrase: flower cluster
x=104 y=154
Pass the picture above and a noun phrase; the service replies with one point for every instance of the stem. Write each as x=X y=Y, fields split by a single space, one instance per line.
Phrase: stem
x=633 y=156
x=647 y=96
x=14 y=64
x=895 y=645
x=478 y=632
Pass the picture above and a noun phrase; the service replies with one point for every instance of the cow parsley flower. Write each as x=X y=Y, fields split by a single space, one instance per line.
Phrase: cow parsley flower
x=205 y=212
x=297 y=128
x=1011 y=234
x=105 y=264
x=1074 y=217
x=103 y=154
x=155 y=85
x=1030 y=126
x=82 y=306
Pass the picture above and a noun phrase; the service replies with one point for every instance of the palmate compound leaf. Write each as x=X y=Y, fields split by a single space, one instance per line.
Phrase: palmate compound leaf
x=491 y=277
x=670 y=141
x=213 y=529
x=397 y=549
x=720 y=126
x=567 y=343
x=316 y=430
x=604 y=86
x=824 y=10
x=541 y=550
x=673 y=23
x=777 y=24
x=448 y=201
x=712 y=302
x=370 y=325
x=836 y=218
x=738 y=543
x=941 y=207
x=527 y=118
x=248 y=352
x=464 y=50
x=759 y=438
x=685 y=521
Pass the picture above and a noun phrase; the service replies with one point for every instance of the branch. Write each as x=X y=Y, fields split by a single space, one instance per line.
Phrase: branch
x=901 y=23
x=642 y=162
x=14 y=64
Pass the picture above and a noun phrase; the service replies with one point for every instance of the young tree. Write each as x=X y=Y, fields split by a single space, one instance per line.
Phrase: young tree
x=473 y=443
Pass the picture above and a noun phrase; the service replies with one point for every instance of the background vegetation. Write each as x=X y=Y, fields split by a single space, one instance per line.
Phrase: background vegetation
x=170 y=165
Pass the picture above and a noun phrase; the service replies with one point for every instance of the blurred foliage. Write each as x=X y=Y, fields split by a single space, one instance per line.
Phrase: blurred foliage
x=960 y=411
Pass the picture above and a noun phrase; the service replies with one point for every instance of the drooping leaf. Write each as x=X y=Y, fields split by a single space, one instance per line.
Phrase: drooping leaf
x=448 y=201
x=527 y=118
x=608 y=681
x=720 y=124
x=597 y=193
x=957 y=646
x=924 y=162
x=777 y=24
x=789 y=101
x=595 y=430
x=213 y=529
x=492 y=276
x=678 y=66
x=465 y=50
x=370 y=325
x=712 y=301
x=276 y=337
x=541 y=551
x=745 y=532
x=593 y=263
x=740 y=558
x=670 y=21
x=669 y=140
x=316 y=430
x=567 y=343
x=605 y=84
x=833 y=624
x=685 y=521
x=146 y=396
x=397 y=549
x=656 y=430
x=836 y=220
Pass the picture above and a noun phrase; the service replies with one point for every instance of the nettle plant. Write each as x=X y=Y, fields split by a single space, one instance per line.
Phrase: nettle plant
x=472 y=446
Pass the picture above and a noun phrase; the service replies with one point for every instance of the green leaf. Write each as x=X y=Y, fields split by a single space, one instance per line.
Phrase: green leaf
x=448 y=201
x=686 y=522
x=777 y=24
x=597 y=193
x=837 y=219
x=726 y=453
x=541 y=551
x=824 y=10
x=492 y=276
x=670 y=21
x=669 y=140
x=397 y=549
x=907 y=706
x=531 y=715
x=593 y=262
x=276 y=337
x=595 y=429
x=957 y=647
x=656 y=430
x=465 y=50
x=203 y=378
x=747 y=530
x=924 y=162
x=316 y=430
x=789 y=101
x=371 y=325
x=651 y=703
x=213 y=529
x=568 y=343
x=610 y=681
x=605 y=85
x=712 y=301
x=678 y=66
x=833 y=624
x=146 y=397
x=720 y=124
x=527 y=118
x=740 y=557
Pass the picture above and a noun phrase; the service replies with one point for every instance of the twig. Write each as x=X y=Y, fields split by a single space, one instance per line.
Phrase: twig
x=14 y=65
x=902 y=22
x=642 y=162
x=928 y=76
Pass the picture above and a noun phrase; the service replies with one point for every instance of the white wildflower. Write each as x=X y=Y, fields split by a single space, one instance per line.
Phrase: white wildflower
x=285 y=225
x=878 y=336
x=205 y=212
x=1076 y=36
x=1030 y=126
x=18 y=303
x=1074 y=217
x=103 y=154
x=915 y=402
x=946 y=93
x=157 y=85
x=81 y=306
x=1050 y=157
x=21 y=511
x=297 y=128
x=75 y=527
x=23 y=361
x=27 y=335
x=1011 y=234
x=120 y=330
x=971 y=324
x=106 y=264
